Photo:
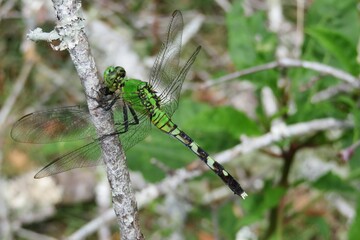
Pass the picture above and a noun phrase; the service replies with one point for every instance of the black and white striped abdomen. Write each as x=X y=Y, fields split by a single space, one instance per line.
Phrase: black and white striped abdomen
x=210 y=162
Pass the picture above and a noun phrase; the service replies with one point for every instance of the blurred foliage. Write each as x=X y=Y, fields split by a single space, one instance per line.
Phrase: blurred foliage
x=250 y=43
x=298 y=208
x=354 y=231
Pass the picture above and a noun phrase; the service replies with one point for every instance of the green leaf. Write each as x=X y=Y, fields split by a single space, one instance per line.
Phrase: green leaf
x=354 y=163
x=354 y=231
x=226 y=221
x=249 y=41
x=257 y=205
x=320 y=229
x=225 y=120
x=335 y=14
x=213 y=128
x=308 y=111
x=332 y=182
x=161 y=147
x=337 y=45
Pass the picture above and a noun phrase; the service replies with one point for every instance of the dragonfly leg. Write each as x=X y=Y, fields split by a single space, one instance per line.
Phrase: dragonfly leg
x=126 y=121
x=107 y=106
x=105 y=98
x=133 y=113
x=114 y=97
x=102 y=100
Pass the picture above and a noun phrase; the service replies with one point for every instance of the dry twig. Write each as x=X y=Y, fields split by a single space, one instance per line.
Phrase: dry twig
x=70 y=30
x=153 y=191
x=288 y=63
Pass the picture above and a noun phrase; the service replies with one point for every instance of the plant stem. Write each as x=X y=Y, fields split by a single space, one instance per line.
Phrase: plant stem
x=276 y=213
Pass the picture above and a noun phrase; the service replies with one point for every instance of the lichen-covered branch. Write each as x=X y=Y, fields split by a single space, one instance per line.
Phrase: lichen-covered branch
x=70 y=31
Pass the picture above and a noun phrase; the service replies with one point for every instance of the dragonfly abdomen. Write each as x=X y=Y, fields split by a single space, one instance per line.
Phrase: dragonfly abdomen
x=216 y=167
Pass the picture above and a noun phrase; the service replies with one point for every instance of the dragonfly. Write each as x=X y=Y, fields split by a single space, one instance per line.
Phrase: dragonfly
x=136 y=106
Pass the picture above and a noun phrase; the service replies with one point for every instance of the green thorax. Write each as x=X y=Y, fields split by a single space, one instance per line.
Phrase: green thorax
x=147 y=102
x=139 y=95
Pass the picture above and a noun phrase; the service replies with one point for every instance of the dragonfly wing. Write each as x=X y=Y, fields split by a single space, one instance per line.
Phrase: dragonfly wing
x=55 y=125
x=86 y=156
x=132 y=128
x=166 y=65
x=90 y=154
x=135 y=134
x=166 y=77
x=170 y=96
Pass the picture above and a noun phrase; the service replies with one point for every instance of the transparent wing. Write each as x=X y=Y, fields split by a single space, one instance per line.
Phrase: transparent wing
x=166 y=77
x=90 y=154
x=170 y=96
x=86 y=156
x=55 y=125
x=166 y=66
x=66 y=124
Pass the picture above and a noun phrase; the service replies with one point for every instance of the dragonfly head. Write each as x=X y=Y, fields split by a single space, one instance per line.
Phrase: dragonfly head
x=114 y=77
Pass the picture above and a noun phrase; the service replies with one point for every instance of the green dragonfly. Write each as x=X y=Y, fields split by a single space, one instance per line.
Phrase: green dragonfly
x=136 y=105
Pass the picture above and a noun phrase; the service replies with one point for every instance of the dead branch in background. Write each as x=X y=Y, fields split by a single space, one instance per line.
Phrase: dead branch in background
x=154 y=191
x=289 y=63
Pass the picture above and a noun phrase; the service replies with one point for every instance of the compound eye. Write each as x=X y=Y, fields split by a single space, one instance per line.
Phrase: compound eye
x=120 y=72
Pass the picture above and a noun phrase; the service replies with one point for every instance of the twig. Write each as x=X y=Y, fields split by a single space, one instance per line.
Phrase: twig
x=5 y=225
x=287 y=63
x=299 y=33
x=215 y=220
x=8 y=5
x=224 y=4
x=322 y=68
x=233 y=76
x=103 y=202
x=268 y=101
x=192 y=28
x=124 y=202
x=92 y=226
x=153 y=191
x=70 y=30
x=281 y=132
x=38 y=35
x=30 y=235
x=215 y=196
x=331 y=92
x=59 y=82
x=162 y=166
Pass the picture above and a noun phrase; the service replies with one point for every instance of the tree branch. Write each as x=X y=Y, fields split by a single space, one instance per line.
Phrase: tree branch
x=287 y=63
x=70 y=30
x=331 y=92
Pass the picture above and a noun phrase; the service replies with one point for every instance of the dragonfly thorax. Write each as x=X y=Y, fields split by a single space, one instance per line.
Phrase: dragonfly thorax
x=148 y=97
x=114 y=77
